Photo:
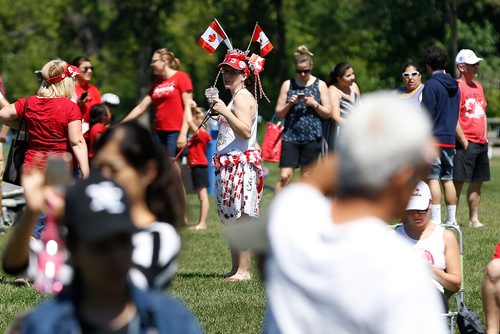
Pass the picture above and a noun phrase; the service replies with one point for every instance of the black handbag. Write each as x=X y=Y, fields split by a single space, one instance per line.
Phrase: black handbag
x=467 y=320
x=18 y=148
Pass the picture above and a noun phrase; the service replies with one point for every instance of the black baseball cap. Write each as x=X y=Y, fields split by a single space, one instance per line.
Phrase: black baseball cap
x=96 y=208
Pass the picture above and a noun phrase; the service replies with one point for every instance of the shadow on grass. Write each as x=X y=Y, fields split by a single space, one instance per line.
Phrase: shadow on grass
x=199 y=275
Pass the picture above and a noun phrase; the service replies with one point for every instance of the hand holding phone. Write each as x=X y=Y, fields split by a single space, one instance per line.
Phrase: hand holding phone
x=84 y=95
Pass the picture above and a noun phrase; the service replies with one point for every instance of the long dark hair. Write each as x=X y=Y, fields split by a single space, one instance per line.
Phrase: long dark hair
x=338 y=71
x=138 y=149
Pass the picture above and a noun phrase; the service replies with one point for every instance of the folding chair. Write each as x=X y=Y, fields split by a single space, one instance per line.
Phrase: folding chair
x=452 y=315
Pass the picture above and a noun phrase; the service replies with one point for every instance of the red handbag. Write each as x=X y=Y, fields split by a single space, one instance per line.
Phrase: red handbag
x=271 y=145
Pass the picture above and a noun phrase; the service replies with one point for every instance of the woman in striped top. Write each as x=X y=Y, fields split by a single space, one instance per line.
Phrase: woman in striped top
x=344 y=93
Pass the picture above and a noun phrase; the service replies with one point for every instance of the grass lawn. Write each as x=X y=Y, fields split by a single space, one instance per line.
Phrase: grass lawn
x=235 y=307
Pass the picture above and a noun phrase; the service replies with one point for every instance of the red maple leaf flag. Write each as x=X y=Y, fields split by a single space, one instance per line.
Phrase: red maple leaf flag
x=212 y=37
x=261 y=38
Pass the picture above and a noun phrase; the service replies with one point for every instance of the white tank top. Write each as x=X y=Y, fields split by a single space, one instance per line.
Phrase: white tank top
x=228 y=141
x=431 y=248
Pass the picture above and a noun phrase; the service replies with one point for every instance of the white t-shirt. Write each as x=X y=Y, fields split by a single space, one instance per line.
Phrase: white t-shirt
x=356 y=277
x=155 y=256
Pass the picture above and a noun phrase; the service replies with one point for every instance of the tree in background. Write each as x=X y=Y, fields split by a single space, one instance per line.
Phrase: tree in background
x=375 y=36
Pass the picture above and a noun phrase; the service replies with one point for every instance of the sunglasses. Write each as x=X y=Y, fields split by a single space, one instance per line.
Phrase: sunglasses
x=229 y=72
x=420 y=212
x=88 y=68
x=410 y=74
x=303 y=71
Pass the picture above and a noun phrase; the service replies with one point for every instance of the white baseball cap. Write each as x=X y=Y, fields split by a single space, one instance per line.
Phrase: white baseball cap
x=467 y=56
x=421 y=197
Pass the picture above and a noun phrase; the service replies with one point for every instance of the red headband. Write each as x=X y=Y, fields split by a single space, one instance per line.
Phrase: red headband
x=69 y=71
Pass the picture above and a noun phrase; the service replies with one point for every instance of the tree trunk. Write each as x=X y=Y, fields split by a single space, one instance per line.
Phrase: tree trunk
x=451 y=11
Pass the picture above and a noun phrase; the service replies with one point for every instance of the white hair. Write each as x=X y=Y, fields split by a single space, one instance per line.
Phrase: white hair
x=382 y=135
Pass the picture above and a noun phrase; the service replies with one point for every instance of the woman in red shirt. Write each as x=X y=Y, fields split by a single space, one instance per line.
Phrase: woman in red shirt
x=53 y=121
x=172 y=95
x=87 y=94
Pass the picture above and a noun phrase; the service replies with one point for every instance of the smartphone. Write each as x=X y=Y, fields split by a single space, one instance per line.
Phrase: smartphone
x=57 y=172
x=84 y=96
x=300 y=95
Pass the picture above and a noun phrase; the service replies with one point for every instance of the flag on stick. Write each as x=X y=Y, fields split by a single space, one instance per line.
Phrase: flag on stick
x=259 y=36
x=212 y=37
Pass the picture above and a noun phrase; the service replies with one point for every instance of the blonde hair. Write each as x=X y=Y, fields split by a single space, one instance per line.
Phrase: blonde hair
x=169 y=58
x=63 y=88
x=302 y=54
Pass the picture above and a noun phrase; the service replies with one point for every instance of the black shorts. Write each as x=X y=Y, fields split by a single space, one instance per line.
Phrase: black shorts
x=199 y=176
x=295 y=154
x=472 y=164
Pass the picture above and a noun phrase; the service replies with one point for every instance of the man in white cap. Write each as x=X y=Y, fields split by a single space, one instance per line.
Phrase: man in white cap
x=471 y=163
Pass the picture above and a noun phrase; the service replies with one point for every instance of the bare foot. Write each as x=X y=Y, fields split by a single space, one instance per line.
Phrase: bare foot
x=238 y=277
x=198 y=227
x=229 y=274
x=475 y=224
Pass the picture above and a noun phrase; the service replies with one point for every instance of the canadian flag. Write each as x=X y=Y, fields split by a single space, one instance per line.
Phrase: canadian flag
x=212 y=37
x=256 y=63
x=259 y=36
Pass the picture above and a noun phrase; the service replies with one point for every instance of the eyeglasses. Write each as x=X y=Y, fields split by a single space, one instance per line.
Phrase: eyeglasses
x=410 y=74
x=299 y=71
x=88 y=68
x=420 y=212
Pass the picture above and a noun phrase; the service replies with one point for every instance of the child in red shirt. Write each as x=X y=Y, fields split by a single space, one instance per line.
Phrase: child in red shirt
x=198 y=163
x=100 y=117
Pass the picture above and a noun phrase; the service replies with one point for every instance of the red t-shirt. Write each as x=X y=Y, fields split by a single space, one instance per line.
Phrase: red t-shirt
x=472 y=116
x=496 y=254
x=47 y=122
x=93 y=97
x=167 y=98
x=96 y=129
x=197 y=149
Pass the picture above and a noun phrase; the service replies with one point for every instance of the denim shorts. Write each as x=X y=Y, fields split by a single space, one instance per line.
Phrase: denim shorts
x=442 y=168
x=168 y=140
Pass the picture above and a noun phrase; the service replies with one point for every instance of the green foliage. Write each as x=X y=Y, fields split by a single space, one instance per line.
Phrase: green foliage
x=375 y=36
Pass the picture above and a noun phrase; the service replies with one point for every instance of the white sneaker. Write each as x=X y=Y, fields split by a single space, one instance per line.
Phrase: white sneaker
x=453 y=223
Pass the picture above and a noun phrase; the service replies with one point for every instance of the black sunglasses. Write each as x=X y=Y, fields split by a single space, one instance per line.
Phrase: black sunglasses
x=88 y=68
x=421 y=212
x=303 y=71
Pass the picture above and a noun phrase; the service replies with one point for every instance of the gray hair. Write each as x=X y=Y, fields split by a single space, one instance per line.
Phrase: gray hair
x=383 y=135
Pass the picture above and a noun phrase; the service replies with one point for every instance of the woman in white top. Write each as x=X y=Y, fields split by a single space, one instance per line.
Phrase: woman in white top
x=436 y=244
x=238 y=162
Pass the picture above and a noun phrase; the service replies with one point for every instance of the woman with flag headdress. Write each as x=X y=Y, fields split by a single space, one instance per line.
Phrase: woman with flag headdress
x=239 y=180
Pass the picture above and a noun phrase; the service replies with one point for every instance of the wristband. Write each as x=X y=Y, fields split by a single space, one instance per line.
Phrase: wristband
x=317 y=106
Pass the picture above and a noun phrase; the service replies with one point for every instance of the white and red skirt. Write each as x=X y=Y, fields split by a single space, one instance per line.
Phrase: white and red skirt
x=239 y=183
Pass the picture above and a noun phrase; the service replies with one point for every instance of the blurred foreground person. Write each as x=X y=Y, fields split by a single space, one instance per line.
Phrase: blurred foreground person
x=491 y=293
x=100 y=298
x=336 y=267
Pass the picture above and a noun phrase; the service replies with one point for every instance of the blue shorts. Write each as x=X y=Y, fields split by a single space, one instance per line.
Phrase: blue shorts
x=168 y=140
x=442 y=168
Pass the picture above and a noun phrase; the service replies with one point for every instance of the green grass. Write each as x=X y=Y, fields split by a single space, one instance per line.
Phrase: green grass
x=234 y=307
